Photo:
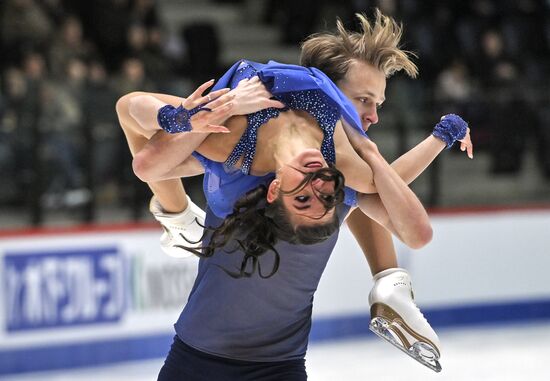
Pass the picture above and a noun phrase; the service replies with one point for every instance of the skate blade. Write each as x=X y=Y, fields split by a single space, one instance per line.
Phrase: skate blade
x=422 y=352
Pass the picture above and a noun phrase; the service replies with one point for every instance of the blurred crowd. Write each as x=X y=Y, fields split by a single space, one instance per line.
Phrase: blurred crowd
x=64 y=63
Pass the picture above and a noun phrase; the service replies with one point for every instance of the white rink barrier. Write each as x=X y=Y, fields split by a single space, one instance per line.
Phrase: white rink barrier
x=102 y=295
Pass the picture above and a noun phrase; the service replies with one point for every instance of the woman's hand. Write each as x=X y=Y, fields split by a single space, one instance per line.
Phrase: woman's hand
x=191 y=116
x=467 y=145
x=452 y=128
x=216 y=108
x=248 y=97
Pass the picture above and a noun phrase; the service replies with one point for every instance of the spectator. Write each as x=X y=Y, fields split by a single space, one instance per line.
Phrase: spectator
x=141 y=45
x=7 y=155
x=203 y=52
x=145 y=12
x=16 y=136
x=500 y=80
x=23 y=26
x=68 y=43
x=104 y=136
x=132 y=77
x=55 y=9
x=23 y=109
x=454 y=88
x=108 y=22
x=61 y=125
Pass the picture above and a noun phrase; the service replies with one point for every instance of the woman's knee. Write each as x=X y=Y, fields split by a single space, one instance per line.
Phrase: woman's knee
x=123 y=103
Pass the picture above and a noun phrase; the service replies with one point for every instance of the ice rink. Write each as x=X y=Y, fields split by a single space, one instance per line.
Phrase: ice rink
x=491 y=352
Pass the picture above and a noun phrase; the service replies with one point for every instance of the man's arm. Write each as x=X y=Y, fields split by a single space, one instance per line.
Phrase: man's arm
x=394 y=206
x=375 y=241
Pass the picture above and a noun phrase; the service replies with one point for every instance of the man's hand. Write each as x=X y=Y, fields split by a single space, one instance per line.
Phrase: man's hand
x=360 y=142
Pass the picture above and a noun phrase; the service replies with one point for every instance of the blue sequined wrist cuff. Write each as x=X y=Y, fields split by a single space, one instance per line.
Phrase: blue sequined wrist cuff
x=174 y=120
x=450 y=129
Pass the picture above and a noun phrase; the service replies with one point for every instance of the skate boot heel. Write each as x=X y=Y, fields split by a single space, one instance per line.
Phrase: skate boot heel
x=387 y=324
x=181 y=230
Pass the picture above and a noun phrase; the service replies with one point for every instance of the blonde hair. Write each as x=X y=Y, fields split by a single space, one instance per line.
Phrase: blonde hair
x=377 y=44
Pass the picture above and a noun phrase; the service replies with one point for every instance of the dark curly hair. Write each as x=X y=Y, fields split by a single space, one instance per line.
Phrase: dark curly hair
x=255 y=226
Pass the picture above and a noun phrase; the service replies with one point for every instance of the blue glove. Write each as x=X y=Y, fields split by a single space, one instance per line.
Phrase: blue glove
x=174 y=120
x=450 y=129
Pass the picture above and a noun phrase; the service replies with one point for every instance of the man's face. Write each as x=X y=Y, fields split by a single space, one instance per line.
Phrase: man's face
x=365 y=86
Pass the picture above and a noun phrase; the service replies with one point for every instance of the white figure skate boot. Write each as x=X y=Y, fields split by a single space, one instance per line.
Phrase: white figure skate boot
x=180 y=229
x=396 y=318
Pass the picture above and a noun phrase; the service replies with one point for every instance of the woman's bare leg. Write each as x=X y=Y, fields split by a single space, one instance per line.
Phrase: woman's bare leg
x=155 y=143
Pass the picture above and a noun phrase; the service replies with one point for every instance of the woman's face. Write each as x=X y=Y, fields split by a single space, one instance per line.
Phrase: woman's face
x=303 y=202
